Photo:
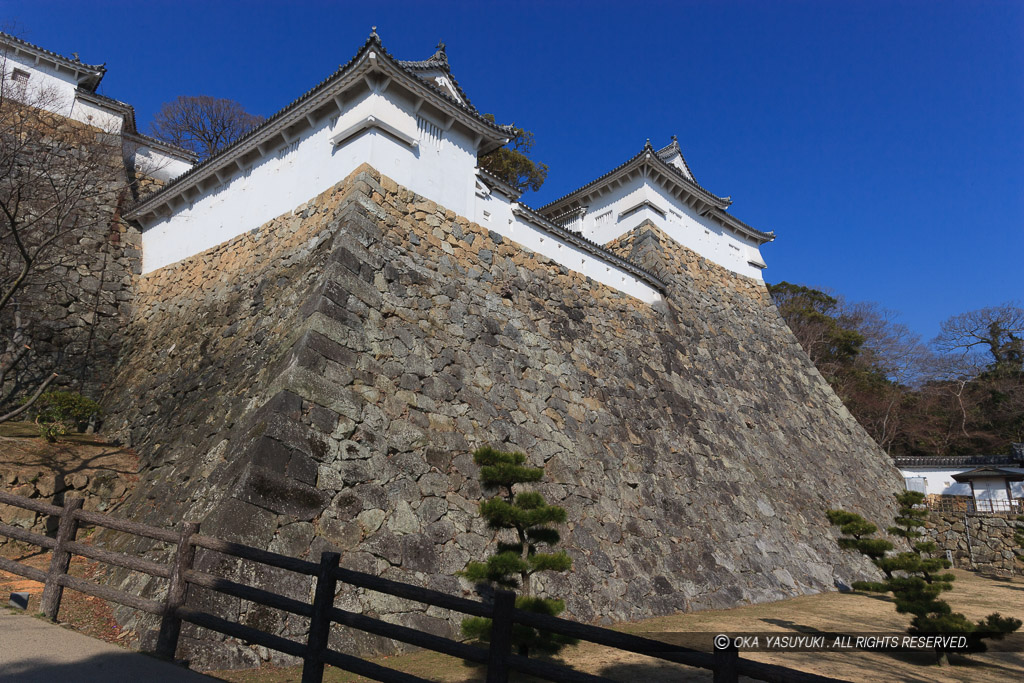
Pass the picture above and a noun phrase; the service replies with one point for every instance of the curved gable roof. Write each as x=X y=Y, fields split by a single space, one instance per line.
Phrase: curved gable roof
x=494 y=135
x=90 y=75
x=659 y=160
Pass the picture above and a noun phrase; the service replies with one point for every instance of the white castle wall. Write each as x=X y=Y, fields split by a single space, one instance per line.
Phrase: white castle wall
x=414 y=151
x=57 y=91
x=604 y=221
x=494 y=211
x=939 y=481
x=439 y=166
x=156 y=164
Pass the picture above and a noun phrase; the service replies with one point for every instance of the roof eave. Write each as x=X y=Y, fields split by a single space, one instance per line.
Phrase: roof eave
x=166 y=147
x=647 y=156
x=488 y=133
x=499 y=184
x=89 y=74
x=589 y=246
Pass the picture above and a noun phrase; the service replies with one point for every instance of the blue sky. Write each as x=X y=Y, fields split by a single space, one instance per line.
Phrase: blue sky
x=882 y=141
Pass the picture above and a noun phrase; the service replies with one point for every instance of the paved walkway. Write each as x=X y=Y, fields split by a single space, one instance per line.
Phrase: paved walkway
x=33 y=650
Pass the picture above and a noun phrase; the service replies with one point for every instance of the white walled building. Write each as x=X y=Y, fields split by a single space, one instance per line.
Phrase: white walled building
x=984 y=478
x=68 y=87
x=659 y=186
x=412 y=122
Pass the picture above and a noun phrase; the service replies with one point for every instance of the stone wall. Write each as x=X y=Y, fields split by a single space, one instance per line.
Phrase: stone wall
x=78 y=295
x=977 y=541
x=102 y=490
x=320 y=383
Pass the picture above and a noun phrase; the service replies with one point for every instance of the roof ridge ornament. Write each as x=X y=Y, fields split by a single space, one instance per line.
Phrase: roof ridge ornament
x=373 y=34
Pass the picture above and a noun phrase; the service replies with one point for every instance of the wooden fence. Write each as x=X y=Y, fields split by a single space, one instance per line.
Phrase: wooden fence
x=498 y=657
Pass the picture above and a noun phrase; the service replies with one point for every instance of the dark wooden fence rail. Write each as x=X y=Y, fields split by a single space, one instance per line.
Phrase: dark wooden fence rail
x=498 y=657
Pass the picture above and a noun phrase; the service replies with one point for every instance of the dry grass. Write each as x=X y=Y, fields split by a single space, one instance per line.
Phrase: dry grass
x=974 y=595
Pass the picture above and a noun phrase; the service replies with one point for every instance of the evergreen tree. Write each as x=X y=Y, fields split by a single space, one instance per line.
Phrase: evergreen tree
x=512 y=566
x=512 y=163
x=915 y=577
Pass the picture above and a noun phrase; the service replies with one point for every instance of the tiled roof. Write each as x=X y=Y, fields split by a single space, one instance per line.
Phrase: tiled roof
x=729 y=219
x=373 y=42
x=489 y=177
x=438 y=62
x=667 y=152
x=97 y=69
x=590 y=246
x=959 y=461
x=128 y=111
x=647 y=149
x=988 y=471
x=648 y=152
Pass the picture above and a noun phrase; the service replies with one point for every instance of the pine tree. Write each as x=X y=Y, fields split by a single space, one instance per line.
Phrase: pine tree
x=512 y=566
x=915 y=577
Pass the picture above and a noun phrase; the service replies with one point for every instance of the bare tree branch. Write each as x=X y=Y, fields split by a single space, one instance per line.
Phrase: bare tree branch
x=202 y=124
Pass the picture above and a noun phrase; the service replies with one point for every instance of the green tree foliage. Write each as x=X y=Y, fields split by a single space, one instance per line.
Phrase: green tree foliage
x=817 y=321
x=916 y=578
x=68 y=407
x=966 y=396
x=531 y=520
x=57 y=412
x=513 y=164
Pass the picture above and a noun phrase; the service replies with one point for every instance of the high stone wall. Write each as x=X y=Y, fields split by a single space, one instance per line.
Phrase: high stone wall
x=320 y=383
x=78 y=295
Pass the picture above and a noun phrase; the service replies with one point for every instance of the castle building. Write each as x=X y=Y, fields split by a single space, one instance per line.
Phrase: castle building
x=315 y=328
x=412 y=121
x=68 y=87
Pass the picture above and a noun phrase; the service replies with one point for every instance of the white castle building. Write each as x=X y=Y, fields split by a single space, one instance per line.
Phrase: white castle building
x=68 y=87
x=412 y=122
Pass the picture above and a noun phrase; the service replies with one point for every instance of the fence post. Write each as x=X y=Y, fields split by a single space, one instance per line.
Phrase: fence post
x=61 y=559
x=501 y=637
x=727 y=663
x=320 y=622
x=177 y=592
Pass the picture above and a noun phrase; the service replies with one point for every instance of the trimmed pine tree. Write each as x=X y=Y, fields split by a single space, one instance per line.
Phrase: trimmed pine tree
x=531 y=520
x=915 y=577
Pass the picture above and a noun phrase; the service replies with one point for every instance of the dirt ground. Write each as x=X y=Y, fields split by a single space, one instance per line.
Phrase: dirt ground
x=974 y=595
x=23 y=452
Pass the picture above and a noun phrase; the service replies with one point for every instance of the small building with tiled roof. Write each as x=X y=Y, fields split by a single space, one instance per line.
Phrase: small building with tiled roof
x=991 y=481
x=658 y=186
x=410 y=120
x=69 y=87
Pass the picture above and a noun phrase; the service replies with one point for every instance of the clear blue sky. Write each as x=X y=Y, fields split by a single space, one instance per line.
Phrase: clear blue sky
x=882 y=141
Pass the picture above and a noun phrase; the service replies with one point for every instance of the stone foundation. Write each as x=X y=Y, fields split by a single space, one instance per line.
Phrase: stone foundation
x=977 y=541
x=320 y=383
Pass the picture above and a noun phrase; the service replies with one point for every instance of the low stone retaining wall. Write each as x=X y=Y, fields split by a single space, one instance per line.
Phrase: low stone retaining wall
x=101 y=489
x=977 y=541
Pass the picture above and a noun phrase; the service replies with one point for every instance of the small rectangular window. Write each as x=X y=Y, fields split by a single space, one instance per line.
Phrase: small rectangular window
x=19 y=76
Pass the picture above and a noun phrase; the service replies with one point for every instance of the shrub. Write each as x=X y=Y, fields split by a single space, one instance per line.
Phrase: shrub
x=531 y=520
x=67 y=407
